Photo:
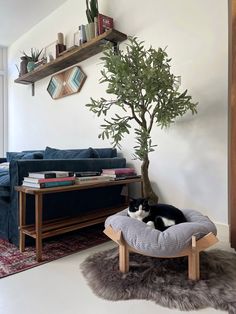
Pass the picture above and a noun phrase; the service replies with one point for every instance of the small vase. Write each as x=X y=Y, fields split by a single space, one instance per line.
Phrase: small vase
x=90 y=31
x=23 y=66
x=30 y=66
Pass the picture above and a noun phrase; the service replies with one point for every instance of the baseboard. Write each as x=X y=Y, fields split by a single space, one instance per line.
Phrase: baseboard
x=223 y=236
x=222 y=231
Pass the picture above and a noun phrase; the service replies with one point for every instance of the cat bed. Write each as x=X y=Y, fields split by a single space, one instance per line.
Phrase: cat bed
x=185 y=239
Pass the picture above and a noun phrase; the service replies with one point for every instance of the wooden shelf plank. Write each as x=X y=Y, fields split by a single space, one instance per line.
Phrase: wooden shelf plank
x=56 y=227
x=72 y=57
x=75 y=187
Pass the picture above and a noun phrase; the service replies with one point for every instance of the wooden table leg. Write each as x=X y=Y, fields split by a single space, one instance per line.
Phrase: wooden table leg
x=38 y=226
x=123 y=258
x=22 y=206
x=193 y=261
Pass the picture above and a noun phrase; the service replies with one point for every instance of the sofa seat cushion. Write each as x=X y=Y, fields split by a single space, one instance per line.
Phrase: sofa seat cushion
x=153 y=242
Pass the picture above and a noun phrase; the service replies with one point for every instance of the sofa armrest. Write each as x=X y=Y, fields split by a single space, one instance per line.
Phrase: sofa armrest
x=3 y=160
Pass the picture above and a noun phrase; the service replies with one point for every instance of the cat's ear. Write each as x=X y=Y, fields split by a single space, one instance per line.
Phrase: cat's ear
x=131 y=201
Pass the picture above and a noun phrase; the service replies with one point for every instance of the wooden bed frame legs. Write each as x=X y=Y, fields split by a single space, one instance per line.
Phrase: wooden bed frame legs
x=123 y=258
x=192 y=251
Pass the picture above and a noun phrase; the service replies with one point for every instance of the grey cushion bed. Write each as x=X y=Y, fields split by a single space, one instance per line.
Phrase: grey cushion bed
x=153 y=242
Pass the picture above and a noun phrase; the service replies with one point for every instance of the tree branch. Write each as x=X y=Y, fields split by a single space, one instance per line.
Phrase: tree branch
x=133 y=113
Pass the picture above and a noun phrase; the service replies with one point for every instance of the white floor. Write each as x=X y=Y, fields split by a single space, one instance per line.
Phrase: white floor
x=59 y=287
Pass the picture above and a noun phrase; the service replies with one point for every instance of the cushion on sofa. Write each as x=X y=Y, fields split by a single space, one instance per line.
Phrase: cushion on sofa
x=23 y=155
x=105 y=152
x=54 y=153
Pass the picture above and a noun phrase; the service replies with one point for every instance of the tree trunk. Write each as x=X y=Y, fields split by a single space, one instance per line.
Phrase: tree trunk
x=147 y=187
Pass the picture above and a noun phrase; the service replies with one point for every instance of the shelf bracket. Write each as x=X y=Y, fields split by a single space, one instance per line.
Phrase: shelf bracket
x=33 y=89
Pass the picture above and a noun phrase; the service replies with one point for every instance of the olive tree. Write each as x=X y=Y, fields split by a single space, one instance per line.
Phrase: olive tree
x=144 y=94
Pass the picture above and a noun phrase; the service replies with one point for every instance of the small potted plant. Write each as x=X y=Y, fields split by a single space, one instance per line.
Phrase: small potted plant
x=32 y=58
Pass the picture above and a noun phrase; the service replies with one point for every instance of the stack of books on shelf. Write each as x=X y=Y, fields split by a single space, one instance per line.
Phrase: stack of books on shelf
x=120 y=173
x=90 y=177
x=101 y=24
x=47 y=179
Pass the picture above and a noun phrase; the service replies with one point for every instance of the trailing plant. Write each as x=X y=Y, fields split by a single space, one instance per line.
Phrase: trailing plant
x=34 y=56
x=146 y=95
x=92 y=10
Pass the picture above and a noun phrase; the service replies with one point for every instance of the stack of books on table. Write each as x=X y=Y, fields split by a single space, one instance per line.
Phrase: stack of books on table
x=120 y=173
x=90 y=177
x=47 y=179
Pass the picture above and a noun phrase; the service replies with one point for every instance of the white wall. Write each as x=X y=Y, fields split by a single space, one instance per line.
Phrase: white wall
x=3 y=100
x=189 y=166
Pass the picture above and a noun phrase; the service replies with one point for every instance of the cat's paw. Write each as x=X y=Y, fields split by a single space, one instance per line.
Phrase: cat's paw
x=151 y=224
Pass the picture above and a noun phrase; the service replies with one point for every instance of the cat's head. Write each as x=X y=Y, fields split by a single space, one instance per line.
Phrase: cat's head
x=138 y=208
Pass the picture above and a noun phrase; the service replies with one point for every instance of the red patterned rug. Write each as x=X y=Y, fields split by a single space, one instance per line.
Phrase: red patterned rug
x=12 y=261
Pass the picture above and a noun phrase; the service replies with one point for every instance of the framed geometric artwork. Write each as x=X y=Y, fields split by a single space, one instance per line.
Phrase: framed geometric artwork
x=66 y=83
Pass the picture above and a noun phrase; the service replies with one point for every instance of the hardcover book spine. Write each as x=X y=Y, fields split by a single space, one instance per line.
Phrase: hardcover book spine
x=119 y=171
x=35 y=180
x=96 y=26
x=54 y=184
x=82 y=34
x=94 y=178
x=43 y=176
x=51 y=174
x=104 y=23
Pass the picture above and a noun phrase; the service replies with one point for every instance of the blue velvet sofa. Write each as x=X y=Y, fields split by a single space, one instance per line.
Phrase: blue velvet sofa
x=55 y=205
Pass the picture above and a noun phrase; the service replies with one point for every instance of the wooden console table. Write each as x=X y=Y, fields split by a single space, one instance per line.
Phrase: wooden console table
x=44 y=229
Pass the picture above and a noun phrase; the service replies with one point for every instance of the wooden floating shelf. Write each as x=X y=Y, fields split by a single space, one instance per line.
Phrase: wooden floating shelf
x=72 y=57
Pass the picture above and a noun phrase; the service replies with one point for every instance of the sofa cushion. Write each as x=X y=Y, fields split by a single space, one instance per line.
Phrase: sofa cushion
x=23 y=155
x=54 y=153
x=105 y=152
x=4 y=177
x=4 y=182
x=4 y=165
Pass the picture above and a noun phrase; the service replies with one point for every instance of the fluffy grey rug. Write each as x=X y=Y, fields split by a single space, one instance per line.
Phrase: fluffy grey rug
x=164 y=281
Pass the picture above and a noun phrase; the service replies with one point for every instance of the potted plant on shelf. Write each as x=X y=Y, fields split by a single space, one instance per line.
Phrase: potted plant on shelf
x=32 y=58
x=146 y=95
x=92 y=16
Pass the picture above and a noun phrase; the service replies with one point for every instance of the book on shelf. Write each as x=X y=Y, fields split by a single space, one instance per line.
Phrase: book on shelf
x=87 y=173
x=121 y=176
x=51 y=174
x=48 y=184
x=96 y=26
x=119 y=171
x=92 y=179
x=127 y=177
x=42 y=180
x=82 y=34
x=104 y=23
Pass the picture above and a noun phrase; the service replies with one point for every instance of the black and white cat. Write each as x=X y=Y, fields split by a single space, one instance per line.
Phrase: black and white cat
x=160 y=216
